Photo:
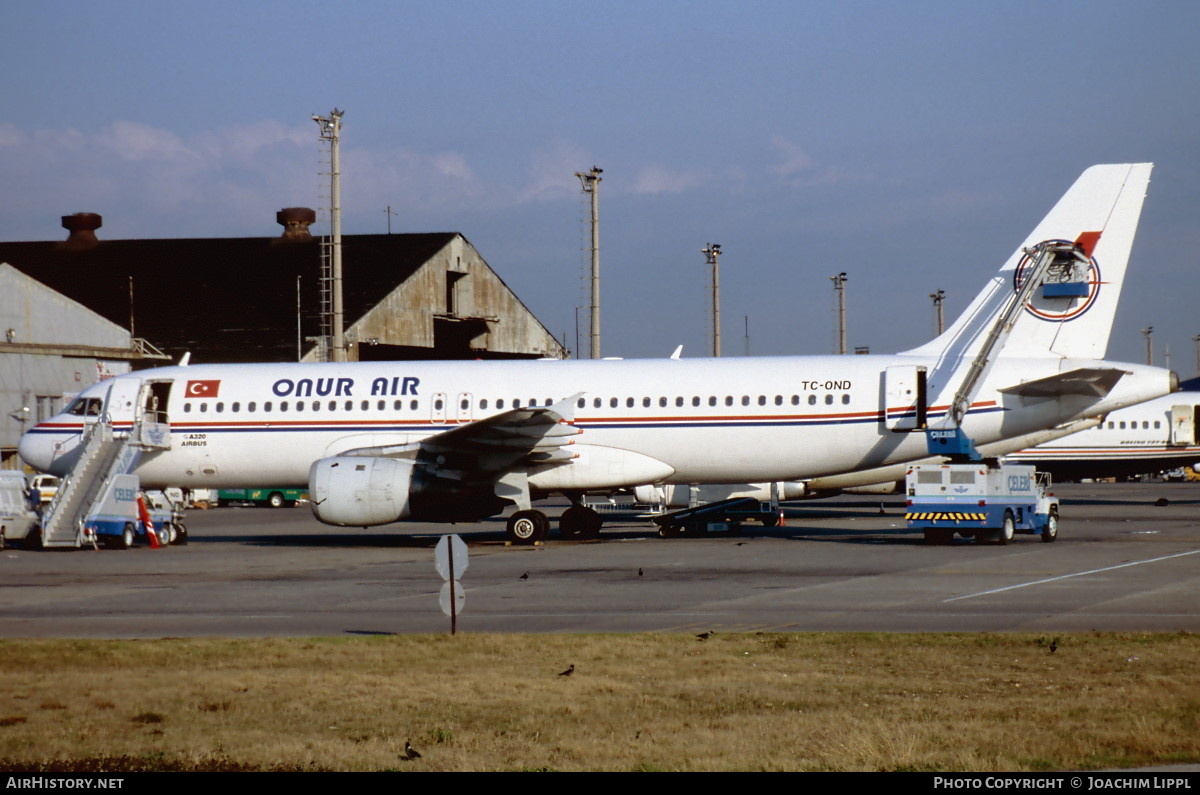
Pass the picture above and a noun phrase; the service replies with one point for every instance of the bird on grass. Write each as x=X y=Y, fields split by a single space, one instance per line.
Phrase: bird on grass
x=640 y=572
x=1054 y=645
x=524 y=576
x=705 y=635
x=569 y=671
x=410 y=752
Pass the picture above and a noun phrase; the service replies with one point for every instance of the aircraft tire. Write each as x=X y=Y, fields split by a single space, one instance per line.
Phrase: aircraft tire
x=527 y=527
x=1050 y=530
x=580 y=522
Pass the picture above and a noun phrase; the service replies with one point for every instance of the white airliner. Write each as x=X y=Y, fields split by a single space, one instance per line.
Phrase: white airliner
x=1157 y=435
x=461 y=441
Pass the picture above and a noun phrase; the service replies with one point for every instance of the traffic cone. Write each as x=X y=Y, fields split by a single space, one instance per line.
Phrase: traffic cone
x=148 y=523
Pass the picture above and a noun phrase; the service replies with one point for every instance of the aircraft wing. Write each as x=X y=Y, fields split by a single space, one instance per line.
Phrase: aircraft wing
x=1085 y=381
x=528 y=436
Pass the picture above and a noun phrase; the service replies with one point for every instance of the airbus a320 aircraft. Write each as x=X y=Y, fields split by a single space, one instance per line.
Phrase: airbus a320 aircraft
x=462 y=441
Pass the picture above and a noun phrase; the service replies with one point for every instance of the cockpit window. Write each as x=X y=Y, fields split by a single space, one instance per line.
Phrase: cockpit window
x=89 y=407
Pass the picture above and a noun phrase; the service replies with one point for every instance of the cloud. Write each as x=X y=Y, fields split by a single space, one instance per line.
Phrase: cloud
x=793 y=159
x=654 y=179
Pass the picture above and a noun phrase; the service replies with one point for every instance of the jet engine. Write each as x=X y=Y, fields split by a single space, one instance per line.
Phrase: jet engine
x=361 y=491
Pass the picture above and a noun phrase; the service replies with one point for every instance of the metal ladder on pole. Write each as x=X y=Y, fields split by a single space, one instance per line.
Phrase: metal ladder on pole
x=947 y=437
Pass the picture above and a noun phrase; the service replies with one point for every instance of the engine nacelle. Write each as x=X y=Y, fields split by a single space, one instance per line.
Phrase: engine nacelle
x=360 y=491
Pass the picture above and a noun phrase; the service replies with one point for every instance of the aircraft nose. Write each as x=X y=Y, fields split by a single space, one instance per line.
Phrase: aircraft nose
x=35 y=450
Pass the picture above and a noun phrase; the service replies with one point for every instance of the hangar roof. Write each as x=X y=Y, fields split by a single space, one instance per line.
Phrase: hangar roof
x=183 y=289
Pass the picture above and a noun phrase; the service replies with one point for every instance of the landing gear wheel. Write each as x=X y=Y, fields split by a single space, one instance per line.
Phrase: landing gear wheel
x=275 y=500
x=1005 y=533
x=528 y=527
x=1050 y=530
x=580 y=522
x=671 y=531
x=770 y=519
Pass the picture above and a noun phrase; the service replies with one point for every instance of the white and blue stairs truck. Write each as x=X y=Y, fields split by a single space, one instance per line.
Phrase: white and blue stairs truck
x=974 y=500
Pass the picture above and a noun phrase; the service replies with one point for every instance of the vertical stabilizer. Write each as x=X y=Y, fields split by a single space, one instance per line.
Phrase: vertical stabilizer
x=1070 y=313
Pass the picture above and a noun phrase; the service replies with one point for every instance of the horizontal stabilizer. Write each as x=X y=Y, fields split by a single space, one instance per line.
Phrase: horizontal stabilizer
x=1086 y=381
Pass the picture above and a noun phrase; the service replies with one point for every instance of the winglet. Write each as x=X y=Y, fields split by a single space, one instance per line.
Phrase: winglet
x=678 y=352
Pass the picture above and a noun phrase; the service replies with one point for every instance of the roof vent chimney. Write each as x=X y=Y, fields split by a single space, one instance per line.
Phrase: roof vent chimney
x=82 y=227
x=295 y=221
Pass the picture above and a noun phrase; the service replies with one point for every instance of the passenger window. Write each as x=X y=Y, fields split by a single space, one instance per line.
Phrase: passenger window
x=251 y=406
x=483 y=403
x=629 y=403
x=464 y=404
x=679 y=402
x=381 y=405
x=695 y=400
x=412 y=404
x=795 y=400
x=645 y=402
x=662 y=402
x=220 y=407
x=187 y=408
x=712 y=400
x=299 y=405
x=745 y=400
x=829 y=400
x=438 y=404
x=500 y=403
x=397 y=405
x=203 y=407
x=580 y=403
x=845 y=400
x=597 y=403
x=812 y=400
x=779 y=400
x=612 y=403
x=267 y=406
x=729 y=400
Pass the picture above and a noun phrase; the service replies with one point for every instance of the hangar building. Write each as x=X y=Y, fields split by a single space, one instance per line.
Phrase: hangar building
x=407 y=296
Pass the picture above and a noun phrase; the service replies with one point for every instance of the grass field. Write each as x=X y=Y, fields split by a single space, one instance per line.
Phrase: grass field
x=936 y=702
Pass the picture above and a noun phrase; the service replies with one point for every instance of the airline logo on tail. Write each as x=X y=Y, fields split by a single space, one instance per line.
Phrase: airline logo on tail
x=1071 y=283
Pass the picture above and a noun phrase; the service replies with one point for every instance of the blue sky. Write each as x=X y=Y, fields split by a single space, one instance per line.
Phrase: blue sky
x=909 y=144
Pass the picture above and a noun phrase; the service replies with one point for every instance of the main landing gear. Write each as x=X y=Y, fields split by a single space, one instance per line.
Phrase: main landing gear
x=528 y=527
x=580 y=522
x=577 y=523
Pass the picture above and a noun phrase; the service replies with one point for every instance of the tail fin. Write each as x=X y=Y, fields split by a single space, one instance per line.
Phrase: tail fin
x=1071 y=313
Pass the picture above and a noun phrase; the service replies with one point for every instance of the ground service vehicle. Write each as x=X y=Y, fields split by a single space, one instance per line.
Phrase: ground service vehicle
x=980 y=501
x=271 y=498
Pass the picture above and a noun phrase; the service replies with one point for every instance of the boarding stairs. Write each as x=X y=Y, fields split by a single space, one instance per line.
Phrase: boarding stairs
x=104 y=454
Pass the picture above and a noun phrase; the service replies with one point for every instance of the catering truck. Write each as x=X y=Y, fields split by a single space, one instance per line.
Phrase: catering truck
x=987 y=502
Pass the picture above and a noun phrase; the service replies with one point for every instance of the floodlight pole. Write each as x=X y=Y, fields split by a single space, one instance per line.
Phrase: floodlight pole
x=331 y=129
x=590 y=181
x=839 y=285
x=1149 y=334
x=938 y=297
x=712 y=255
